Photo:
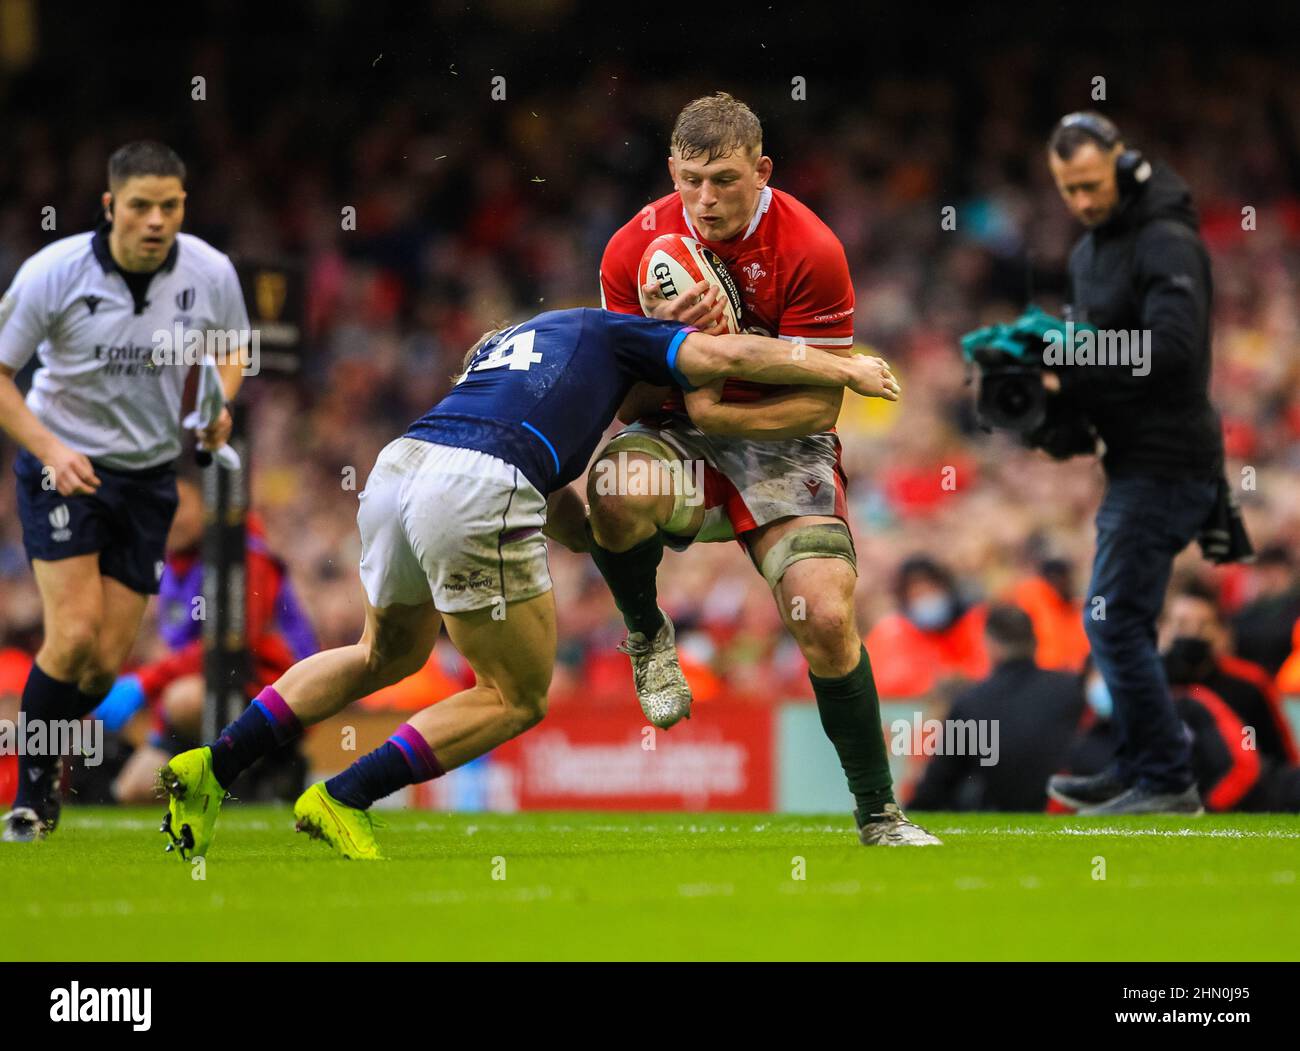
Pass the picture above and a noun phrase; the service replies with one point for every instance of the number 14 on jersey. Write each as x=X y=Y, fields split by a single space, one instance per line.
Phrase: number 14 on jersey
x=516 y=352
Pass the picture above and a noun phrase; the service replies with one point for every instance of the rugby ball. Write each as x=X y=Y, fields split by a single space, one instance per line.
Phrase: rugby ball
x=675 y=262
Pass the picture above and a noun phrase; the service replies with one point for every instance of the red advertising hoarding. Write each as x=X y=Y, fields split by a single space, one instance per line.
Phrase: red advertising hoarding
x=599 y=758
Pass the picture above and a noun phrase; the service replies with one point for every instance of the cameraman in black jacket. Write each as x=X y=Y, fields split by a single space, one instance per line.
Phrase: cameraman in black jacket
x=1140 y=269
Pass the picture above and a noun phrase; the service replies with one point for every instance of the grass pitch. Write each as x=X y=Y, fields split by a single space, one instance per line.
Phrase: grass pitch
x=621 y=886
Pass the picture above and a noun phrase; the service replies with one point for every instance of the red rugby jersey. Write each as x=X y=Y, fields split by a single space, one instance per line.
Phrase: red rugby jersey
x=790 y=268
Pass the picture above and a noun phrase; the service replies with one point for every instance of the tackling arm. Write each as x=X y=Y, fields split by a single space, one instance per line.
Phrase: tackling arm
x=760 y=359
x=790 y=414
x=809 y=409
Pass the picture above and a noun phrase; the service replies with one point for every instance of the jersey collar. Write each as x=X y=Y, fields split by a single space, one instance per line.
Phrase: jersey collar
x=764 y=203
x=99 y=245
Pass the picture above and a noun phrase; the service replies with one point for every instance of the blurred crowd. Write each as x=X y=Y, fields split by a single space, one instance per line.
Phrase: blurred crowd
x=471 y=210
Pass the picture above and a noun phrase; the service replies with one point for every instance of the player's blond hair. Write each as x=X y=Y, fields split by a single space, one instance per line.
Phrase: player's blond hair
x=478 y=345
x=716 y=126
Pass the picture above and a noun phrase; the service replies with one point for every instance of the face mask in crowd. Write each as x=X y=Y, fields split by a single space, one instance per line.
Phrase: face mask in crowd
x=931 y=612
x=1099 y=699
x=1188 y=659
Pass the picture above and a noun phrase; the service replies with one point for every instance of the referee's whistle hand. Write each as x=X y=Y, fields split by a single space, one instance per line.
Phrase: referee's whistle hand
x=216 y=435
x=72 y=472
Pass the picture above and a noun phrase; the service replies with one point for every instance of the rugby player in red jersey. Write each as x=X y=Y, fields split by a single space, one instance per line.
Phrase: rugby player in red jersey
x=772 y=475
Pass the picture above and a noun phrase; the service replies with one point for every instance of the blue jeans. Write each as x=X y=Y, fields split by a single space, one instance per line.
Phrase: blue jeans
x=1143 y=522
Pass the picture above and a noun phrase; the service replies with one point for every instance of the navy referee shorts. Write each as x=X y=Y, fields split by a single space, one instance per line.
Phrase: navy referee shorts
x=126 y=520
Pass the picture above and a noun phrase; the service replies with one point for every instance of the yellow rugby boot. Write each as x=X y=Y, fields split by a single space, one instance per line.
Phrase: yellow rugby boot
x=351 y=832
x=194 y=801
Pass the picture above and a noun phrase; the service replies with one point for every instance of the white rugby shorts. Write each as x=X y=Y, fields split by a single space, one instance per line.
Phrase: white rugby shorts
x=457 y=525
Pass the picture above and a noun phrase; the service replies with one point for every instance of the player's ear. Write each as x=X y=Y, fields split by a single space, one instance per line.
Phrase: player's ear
x=672 y=168
x=107 y=201
x=764 y=169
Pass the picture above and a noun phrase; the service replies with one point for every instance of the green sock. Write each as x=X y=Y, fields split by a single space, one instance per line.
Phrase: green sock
x=850 y=711
x=631 y=577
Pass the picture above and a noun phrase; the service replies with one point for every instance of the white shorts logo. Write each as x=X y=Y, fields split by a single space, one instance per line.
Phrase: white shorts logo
x=157 y=570
x=59 y=519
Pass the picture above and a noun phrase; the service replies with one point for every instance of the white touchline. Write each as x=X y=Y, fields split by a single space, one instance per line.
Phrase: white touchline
x=1208 y=833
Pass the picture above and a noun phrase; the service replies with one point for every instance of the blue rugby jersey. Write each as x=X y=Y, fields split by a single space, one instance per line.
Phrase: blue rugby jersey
x=540 y=395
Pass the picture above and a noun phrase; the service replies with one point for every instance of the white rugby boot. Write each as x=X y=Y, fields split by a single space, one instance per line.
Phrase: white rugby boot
x=22 y=825
x=661 y=686
x=892 y=829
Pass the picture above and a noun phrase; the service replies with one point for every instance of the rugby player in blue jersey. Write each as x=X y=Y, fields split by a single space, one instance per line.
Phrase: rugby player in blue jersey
x=453 y=520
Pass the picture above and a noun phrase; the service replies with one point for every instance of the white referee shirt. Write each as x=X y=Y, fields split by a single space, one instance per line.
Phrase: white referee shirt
x=99 y=390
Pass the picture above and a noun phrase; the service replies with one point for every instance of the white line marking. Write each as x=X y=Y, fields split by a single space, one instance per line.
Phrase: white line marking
x=1207 y=833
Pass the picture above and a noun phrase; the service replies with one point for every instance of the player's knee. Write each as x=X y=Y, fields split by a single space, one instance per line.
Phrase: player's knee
x=391 y=655
x=827 y=636
x=73 y=647
x=831 y=657
x=527 y=705
x=614 y=508
x=617 y=508
x=385 y=669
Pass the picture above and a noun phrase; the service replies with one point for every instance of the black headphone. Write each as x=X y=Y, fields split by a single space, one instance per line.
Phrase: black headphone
x=1131 y=168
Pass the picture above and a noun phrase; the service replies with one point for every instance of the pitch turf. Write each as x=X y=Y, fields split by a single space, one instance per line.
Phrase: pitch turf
x=659 y=886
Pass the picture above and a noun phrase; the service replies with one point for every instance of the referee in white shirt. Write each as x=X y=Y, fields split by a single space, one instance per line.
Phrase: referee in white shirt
x=100 y=432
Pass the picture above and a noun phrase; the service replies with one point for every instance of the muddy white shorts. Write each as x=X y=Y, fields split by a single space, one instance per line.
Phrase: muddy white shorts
x=457 y=525
x=750 y=483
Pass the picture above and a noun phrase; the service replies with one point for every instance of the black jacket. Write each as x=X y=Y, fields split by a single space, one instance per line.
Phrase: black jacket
x=1037 y=712
x=1255 y=708
x=1263 y=629
x=1145 y=268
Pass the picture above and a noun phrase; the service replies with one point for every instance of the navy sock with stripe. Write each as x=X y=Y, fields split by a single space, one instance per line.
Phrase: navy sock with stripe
x=265 y=725
x=404 y=759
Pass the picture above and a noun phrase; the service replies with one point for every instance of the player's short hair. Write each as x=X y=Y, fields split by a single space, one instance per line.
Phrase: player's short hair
x=143 y=158
x=716 y=126
x=469 y=354
x=1010 y=627
x=922 y=567
x=1067 y=137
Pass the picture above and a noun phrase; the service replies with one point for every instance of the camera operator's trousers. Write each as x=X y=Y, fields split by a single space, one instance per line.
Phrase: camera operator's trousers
x=1142 y=524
